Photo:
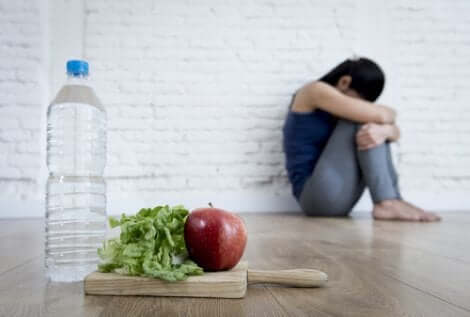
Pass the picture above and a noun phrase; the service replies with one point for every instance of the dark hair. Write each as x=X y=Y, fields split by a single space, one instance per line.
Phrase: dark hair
x=367 y=78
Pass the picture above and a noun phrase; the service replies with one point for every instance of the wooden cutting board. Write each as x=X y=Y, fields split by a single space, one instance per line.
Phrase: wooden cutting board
x=224 y=284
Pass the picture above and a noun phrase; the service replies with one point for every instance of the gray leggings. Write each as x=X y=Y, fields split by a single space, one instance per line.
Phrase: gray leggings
x=342 y=173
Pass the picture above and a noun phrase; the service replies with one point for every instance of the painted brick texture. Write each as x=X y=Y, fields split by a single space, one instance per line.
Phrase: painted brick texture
x=21 y=98
x=197 y=91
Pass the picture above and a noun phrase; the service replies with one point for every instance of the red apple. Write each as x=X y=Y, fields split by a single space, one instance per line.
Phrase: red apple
x=215 y=238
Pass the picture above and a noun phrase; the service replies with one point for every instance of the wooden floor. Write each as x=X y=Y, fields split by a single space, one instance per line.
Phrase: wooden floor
x=375 y=269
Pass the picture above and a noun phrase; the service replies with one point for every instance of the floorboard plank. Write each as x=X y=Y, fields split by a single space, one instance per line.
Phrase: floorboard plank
x=25 y=291
x=357 y=290
x=257 y=302
x=20 y=242
x=375 y=269
x=448 y=239
x=444 y=276
x=361 y=239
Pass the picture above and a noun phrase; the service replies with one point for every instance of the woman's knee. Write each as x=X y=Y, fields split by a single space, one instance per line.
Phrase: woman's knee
x=347 y=125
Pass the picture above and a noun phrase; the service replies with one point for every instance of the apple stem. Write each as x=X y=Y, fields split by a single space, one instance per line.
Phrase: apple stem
x=210 y=204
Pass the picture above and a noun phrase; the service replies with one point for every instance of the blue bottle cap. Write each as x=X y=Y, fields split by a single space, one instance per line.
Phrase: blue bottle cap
x=77 y=68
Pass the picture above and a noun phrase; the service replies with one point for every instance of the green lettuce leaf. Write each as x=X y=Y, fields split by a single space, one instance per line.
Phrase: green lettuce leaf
x=151 y=244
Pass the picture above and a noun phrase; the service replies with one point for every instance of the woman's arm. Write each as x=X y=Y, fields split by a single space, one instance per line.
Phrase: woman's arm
x=371 y=134
x=329 y=99
x=392 y=132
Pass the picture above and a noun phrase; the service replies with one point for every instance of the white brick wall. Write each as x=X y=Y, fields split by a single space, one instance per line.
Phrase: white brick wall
x=432 y=58
x=196 y=92
x=22 y=84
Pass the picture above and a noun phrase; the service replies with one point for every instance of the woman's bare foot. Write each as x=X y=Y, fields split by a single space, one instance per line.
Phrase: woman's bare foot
x=395 y=209
x=427 y=216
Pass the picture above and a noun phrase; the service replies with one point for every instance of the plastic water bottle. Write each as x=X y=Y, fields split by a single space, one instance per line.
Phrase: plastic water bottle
x=76 y=190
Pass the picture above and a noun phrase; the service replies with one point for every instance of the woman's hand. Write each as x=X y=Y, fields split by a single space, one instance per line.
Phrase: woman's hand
x=371 y=135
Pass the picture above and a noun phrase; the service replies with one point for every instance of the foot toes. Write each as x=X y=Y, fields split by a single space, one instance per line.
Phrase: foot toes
x=429 y=216
x=402 y=211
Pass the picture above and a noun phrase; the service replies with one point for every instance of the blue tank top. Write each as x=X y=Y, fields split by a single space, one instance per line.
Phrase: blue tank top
x=305 y=136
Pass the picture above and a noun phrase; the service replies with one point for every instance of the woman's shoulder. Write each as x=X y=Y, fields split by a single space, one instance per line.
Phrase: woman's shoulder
x=316 y=88
x=306 y=98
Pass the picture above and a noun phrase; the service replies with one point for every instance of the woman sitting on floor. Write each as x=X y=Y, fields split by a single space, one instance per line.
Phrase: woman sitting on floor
x=336 y=142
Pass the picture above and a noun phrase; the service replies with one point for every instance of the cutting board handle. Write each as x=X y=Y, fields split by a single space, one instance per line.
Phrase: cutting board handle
x=295 y=277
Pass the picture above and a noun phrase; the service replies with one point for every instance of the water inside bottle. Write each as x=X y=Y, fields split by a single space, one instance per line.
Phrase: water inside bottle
x=75 y=226
x=76 y=190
